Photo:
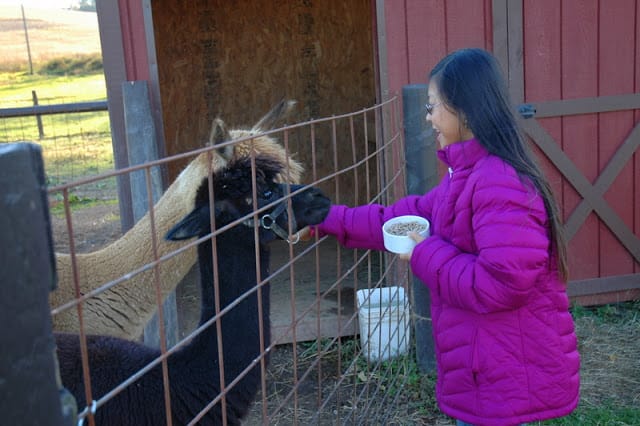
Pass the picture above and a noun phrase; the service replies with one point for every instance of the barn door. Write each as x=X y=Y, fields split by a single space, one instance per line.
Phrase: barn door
x=573 y=69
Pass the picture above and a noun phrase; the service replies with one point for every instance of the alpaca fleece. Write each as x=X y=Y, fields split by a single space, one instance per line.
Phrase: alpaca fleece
x=194 y=369
x=124 y=309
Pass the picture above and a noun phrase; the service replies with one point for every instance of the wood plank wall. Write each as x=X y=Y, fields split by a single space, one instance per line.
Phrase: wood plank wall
x=421 y=32
x=577 y=49
x=571 y=49
x=237 y=59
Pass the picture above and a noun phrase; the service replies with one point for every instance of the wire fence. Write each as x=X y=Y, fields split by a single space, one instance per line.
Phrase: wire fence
x=319 y=366
x=75 y=138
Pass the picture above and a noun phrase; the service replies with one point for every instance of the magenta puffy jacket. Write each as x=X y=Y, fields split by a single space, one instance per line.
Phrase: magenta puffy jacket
x=505 y=342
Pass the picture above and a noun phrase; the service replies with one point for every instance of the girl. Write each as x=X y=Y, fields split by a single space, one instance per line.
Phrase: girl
x=495 y=262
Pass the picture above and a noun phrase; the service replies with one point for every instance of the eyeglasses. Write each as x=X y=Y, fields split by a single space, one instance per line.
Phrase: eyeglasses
x=431 y=107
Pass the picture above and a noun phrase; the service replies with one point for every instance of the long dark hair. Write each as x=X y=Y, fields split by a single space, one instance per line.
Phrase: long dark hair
x=470 y=82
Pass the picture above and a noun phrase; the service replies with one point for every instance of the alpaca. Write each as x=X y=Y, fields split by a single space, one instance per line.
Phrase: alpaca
x=124 y=309
x=194 y=371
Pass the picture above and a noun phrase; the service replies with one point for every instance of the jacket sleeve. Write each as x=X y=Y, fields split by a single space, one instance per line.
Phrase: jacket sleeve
x=361 y=227
x=509 y=227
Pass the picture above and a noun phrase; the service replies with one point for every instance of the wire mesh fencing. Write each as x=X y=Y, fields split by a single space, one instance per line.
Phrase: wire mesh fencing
x=284 y=333
x=75 y=138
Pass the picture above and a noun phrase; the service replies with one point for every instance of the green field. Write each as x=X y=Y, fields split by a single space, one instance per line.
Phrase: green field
x=74 y=145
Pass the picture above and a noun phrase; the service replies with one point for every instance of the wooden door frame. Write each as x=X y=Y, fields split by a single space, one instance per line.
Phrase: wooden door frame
x=508 y=47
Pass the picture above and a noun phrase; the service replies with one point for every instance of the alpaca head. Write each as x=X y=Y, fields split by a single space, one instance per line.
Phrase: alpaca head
x=233 y=192
x=254 y=141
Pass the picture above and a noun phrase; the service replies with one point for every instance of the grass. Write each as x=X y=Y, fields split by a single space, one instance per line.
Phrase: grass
x=607 y=415
x=56 y=207
x=74 y=145
x=609 y=344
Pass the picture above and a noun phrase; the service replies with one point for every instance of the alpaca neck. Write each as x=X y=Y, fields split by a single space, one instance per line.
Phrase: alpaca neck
x=240 y=326
x=236 y=271
x=127 y=253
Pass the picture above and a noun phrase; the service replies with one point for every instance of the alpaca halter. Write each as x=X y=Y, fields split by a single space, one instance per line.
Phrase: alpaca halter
x=268 y=222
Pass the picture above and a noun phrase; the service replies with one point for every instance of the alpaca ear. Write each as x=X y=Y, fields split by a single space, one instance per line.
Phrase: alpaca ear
x=279 y=112
x=220 y=134
x=190 y=226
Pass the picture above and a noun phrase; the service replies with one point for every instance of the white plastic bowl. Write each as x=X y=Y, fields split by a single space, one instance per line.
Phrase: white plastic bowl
x=402 y=243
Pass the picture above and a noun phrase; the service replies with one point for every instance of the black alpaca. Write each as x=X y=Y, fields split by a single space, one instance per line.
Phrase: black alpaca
x=194 y=374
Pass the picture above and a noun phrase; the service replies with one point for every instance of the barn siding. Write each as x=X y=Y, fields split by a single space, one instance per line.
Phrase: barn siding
x=635 y=193
x=420 y=32
x=580 y=53
x=395 y=45
x=426 y=47
x=572 y=49
x=616 y=77
x=569 y=54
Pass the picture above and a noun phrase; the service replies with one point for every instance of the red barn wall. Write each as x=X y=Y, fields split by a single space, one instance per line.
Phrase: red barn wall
x=567 y=50
x=582 y=49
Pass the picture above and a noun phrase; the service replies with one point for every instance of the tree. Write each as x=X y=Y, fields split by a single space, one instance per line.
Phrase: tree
x=86 y=5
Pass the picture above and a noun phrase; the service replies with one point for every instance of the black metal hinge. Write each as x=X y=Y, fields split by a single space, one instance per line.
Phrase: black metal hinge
x=527 y=110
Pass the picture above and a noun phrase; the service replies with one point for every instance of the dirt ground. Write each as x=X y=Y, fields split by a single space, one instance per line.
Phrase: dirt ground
x=610 y=353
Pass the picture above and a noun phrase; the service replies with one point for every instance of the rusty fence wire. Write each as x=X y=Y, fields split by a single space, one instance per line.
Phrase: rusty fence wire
x=336 y=354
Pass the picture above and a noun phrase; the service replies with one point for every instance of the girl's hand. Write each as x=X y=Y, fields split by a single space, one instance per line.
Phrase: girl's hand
x=415 y=237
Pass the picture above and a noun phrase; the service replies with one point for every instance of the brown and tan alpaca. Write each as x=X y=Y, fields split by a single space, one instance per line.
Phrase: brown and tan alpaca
x=124 y=309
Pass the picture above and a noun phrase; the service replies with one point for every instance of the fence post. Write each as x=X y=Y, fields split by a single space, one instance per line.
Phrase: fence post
x=30 y=385
x=141 y=148
x=26 y=37
x=38 y=116
x=422 y=175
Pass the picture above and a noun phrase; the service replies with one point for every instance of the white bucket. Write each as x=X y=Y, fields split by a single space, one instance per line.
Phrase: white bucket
x=383 y=317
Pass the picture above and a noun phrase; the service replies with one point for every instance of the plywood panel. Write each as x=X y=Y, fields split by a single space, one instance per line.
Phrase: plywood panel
x=579 y=79
x=615 y=77
x=236 y=59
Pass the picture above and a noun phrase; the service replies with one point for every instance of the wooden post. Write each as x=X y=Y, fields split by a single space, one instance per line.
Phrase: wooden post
x=141 y=148
x=26 y=36
x=30 y=385
x=114 y=71
x=38 y=116
x=422 y=175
